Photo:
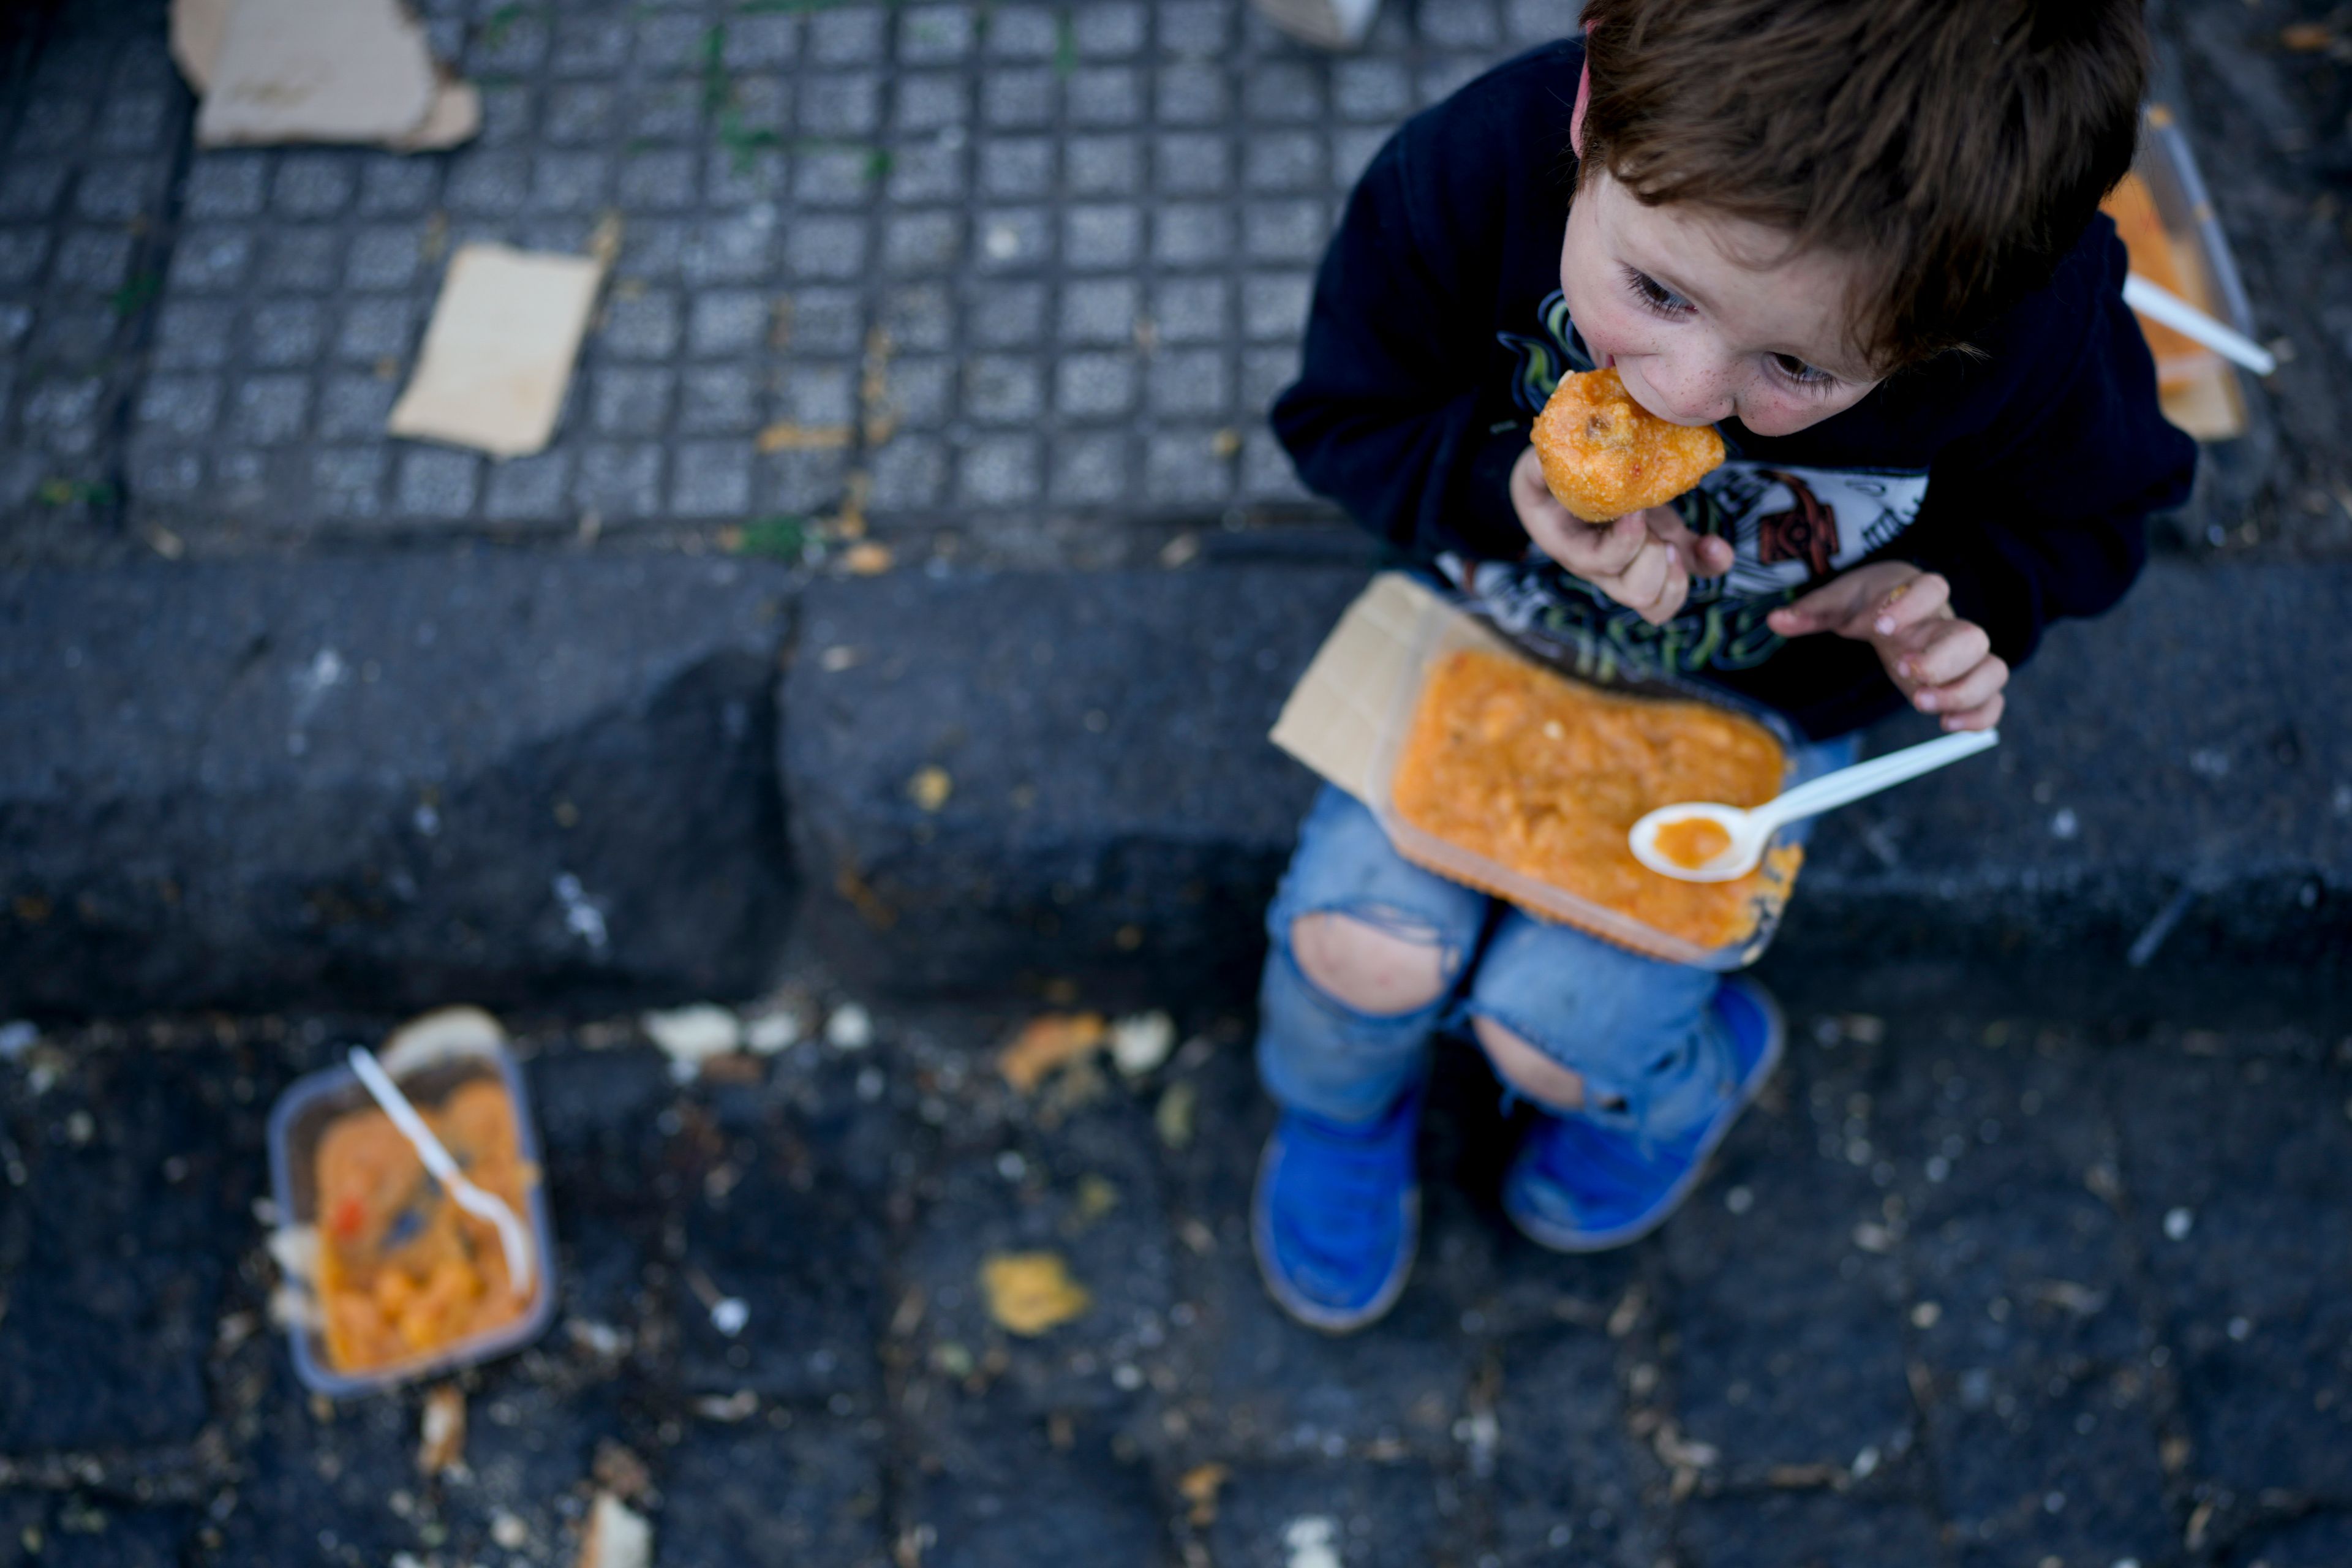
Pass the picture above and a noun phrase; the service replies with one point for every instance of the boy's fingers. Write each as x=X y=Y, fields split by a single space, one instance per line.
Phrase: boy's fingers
x=1527 y=481
x=1948 y=650
x=1560 y=536
x=1908 y=604
x=1661 y=608
x=1706 y=554
x=1616 y=546
x=1981 y=718
x=1666 y=525
x=1906 y=645
x=1579 y=545
x=1645 y=578
x=1831 y=605
x=1542 y=511
x=1599 y=551
x=1972 y=690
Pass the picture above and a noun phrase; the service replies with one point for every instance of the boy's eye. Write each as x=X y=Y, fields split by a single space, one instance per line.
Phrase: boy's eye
x=1797 y=370
x=1657 y=295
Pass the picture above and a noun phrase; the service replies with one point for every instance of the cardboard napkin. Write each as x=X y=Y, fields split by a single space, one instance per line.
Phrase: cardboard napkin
x=498 y=352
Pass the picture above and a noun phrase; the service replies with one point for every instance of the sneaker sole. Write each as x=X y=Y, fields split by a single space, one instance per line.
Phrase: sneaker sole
x=1315 y=1314
x=1776 y=1035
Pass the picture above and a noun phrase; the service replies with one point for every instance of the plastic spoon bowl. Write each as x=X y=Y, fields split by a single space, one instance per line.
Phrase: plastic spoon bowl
x=1751 y=830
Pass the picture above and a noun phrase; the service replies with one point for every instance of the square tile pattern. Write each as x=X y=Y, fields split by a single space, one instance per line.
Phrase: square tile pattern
x=1082 y=236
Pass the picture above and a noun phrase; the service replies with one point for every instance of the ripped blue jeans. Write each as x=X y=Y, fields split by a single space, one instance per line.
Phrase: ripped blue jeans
x=1641 y=1032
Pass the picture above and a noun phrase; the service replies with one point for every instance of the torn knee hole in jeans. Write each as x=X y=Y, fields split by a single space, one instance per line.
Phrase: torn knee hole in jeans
x=1374 y=959
x=1528 y=1069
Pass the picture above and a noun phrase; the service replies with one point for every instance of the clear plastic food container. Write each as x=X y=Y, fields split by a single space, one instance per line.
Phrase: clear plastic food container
x=448 y=1061
x=2187 y=209
x=1444 y=635
x=2199 y=391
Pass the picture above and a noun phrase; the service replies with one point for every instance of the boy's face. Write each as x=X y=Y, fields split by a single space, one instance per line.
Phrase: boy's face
x=1706 y=316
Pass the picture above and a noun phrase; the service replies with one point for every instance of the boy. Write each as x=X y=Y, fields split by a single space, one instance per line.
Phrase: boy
x=1861 y=237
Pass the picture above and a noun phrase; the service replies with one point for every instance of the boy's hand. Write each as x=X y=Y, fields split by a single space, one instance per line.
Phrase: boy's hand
x=1645 y=561
x=1943 y=665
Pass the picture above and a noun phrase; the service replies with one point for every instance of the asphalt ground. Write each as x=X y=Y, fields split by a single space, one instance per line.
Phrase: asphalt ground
x=2019 y=1277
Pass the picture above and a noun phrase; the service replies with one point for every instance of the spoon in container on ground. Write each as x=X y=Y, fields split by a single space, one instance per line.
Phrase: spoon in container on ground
x=513 y=1240
x=1739 y=836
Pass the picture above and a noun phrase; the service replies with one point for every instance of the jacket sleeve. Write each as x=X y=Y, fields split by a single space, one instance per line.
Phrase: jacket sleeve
x=2045 y=515
x=1388 y=416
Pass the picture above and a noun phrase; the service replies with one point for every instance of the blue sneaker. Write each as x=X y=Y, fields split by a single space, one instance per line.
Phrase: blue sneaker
x=1337 y=1215
x=1581 y=1184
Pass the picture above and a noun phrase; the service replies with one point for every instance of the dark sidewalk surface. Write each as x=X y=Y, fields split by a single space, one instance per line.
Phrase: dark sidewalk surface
x=1988 y=1277
x=385 y=782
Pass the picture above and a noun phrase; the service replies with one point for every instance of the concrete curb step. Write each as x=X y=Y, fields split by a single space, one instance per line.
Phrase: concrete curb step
x=388 y=782
x=2177 y=775
x=396 y=781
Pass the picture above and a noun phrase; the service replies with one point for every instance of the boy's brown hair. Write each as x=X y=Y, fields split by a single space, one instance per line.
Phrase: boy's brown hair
x=1957 y=147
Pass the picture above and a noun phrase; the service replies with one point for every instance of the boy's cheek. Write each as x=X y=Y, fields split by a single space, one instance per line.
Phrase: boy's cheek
x=1609 y=339
x=1774 y=419
x=1608 y=329
x=1602 y=329
x=1770 y=414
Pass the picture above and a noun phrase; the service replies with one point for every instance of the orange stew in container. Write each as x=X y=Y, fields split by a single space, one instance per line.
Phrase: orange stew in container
x=1547 y=777
x=403 y=1270
x=2154 y=258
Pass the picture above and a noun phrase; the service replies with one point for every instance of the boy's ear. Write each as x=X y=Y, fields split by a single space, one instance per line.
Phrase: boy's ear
x=1576 y=120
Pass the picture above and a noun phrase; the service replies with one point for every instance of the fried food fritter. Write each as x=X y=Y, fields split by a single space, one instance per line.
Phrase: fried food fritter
x=1605 y=456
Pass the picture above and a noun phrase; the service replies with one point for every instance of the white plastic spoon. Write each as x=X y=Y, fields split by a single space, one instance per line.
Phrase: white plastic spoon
x=2159 y=304
x=512 y=1238
x=1751 y=830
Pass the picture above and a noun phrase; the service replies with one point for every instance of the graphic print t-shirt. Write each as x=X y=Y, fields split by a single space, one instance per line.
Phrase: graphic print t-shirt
x=1439 y=331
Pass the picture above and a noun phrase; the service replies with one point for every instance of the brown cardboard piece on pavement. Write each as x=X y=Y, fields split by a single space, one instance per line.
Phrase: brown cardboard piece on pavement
x=2208 y=406
x=318 y=70
x=1334 y=717
x=498 y=352
x=455 y=119
x=197 y=29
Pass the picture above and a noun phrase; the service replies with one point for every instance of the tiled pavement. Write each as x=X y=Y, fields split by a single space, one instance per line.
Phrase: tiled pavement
x=1030 y=259
x=94 y=130
x=1033 y=267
